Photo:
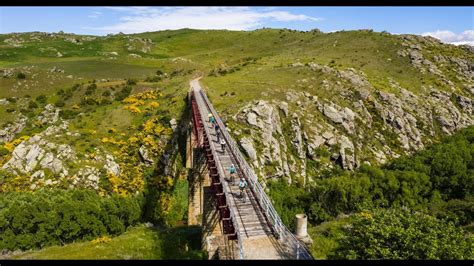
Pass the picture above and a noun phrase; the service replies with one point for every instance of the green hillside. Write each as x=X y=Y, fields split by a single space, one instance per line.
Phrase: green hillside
x=320 y=116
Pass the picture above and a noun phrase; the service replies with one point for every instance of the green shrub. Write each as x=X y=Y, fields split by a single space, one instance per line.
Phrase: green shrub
x=60 y=103
x=41 y=99
x=91 y=89
x=32 y=104
x=68 y=114
x=30 y=220
x=124 y=93
x=403 y=234
x=131 y=82
x=3 y=151
x=21 y=75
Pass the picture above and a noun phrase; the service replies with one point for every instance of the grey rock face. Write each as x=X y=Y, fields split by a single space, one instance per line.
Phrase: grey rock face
x=111 y=165
x=466 y=104
x=89 y=176
x=355 y=78
x=8 y=134
x=347 y=153
x=144 y=155
x=252 y=119
x=49 y=115
x=173 y=124
x=332 y=114
x=247 y=145
x=284 y=107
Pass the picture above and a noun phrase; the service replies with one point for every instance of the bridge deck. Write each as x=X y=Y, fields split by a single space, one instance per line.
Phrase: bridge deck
x=256 y=236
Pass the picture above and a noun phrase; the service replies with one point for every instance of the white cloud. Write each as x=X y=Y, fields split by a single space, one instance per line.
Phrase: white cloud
x=95 y=14
x=465 y=37
x=141 y=19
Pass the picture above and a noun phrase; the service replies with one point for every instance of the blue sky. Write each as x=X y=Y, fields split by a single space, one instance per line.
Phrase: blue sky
x=450 y=24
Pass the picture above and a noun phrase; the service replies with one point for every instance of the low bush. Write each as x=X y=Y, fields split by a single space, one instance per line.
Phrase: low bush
x=31 y=220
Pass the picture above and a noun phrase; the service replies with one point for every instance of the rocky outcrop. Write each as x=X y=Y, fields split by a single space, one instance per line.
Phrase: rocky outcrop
x=87 y=177
x=332 y=114
x=173 y=124
x=8 y=133
x=111 y=166
x=139 y=44
x=360 y=122
x=247 y=145
x=49 y=115
x=145 y=155
x=37 y=152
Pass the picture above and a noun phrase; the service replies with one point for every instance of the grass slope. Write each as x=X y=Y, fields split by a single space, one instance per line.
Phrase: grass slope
x=137 y=243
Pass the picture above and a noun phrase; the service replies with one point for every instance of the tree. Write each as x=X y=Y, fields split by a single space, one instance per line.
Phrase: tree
x=21 y=75
x=32 y=104
x=41 y=99
x=131 y=81
x=403 y=234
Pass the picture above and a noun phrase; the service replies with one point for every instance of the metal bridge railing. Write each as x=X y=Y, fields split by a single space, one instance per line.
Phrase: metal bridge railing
x=298 y=250
x=221 y=175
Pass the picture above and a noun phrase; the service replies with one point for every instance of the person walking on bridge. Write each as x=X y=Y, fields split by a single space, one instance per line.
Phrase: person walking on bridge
x=223 y=145
x=218 y=135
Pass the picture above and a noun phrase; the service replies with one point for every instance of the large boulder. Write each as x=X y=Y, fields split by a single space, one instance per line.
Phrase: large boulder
x=331 y=113
x=50 y=115
x=247 y=145
x=111 y=166
x=145 y=155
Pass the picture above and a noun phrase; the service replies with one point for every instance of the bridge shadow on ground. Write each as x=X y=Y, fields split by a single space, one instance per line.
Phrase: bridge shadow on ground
x=172 y=242
x=181 y=242
x=174 y=149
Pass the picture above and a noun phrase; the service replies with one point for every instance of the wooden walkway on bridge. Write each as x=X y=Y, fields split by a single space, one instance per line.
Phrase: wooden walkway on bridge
x=256 y=232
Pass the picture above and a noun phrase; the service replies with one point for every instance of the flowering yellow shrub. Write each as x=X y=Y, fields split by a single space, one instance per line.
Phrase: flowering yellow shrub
x=112 y=141
x=148 y=141
x=112 y=130
x=154 y=104
x=159 y=129
x=147 y=95
x=148 y=126
x=17 y=183
x=166 y=202
x=133 y=139
x=100 y=240
x=130 y=180
x=10 y=146
x=132 y=108
x=366 y=215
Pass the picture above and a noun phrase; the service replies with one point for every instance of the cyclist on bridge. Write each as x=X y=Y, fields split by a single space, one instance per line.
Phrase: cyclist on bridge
x=232 y=171
x=242 y=185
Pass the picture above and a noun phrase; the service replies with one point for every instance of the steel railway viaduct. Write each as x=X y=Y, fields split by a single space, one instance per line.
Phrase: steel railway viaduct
x=232 y=228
